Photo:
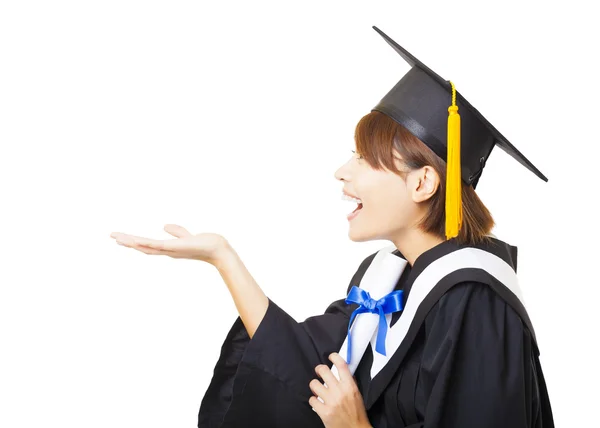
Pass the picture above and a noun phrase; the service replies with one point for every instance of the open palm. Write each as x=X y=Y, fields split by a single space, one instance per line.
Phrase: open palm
x=203 y=246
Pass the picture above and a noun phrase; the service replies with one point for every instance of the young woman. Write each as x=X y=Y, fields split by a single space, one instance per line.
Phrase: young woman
x=460 y=350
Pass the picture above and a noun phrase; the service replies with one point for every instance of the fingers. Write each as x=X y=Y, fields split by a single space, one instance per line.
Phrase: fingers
x=318 y=407
x=342 y=367
x=338 y=403
x=147 y=250
x=325 y=373
x=176 y=230
x=318 y=389
x=122 y=239
x=132 y=241
x=153 y=243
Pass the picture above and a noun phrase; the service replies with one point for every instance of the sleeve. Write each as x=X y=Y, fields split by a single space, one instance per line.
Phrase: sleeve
x=265 y=379
x=478 y=366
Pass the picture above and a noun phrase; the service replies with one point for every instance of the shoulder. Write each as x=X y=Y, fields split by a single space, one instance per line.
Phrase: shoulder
x=471 y=305
x=467 y=292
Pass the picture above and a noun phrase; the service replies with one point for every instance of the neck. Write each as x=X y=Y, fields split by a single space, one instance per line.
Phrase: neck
x=413 y=243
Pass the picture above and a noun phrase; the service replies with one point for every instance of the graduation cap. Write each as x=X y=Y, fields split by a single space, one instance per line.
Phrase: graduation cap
x=431 y=109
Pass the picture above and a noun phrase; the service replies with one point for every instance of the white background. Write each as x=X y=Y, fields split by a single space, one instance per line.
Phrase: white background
x=231 y=117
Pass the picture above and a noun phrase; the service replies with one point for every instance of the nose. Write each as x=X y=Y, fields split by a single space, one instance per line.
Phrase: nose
x=343 y=172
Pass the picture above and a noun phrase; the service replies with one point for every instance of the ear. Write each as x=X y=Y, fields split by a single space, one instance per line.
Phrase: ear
x=427 y=182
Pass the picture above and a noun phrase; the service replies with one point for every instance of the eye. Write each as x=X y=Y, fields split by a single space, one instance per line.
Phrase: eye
x=359 y=156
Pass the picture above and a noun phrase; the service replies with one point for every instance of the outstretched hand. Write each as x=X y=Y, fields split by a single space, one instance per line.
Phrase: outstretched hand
x=206 y=247
x=343 y=405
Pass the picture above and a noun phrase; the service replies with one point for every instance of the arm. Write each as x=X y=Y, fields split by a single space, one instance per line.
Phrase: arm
x=252 y=303
x=249 y=299
x=277 y=365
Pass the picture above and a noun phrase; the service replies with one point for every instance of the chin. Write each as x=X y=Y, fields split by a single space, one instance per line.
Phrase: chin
x=357 y=236
x=359 y=239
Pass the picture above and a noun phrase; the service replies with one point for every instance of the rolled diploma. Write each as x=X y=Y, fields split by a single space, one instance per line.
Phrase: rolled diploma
x=380 y=279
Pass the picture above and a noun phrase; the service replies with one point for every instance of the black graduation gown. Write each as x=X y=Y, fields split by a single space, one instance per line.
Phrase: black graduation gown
x=469 y=359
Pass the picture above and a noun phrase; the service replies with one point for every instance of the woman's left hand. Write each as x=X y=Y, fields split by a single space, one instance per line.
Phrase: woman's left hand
x=343 y=405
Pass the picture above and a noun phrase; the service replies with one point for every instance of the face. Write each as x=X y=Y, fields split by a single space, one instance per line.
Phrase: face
x=388 y=208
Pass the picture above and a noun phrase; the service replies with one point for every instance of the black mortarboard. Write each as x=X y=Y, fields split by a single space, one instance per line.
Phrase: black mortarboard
x=419 y=102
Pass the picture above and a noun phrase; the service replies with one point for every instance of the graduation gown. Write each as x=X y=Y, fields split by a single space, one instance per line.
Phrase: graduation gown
x=464 y=355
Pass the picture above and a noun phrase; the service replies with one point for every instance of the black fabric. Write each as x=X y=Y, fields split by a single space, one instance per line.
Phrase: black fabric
x=263 y=381
x=475 y=366
x=477 y=277
x=472 y=362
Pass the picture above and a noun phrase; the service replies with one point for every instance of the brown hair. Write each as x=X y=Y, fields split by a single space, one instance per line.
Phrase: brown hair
x=377 y=135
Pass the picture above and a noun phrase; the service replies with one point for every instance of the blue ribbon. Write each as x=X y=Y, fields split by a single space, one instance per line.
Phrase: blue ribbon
x=389 y=303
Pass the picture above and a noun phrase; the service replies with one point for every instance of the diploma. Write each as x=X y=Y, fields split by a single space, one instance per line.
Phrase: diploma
x=379 y=280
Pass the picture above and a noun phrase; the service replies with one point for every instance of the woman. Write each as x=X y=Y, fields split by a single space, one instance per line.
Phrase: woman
x=457 y=351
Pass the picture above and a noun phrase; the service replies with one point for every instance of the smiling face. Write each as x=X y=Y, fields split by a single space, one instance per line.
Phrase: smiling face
x=392 y=179
x=388 y=200
x=401 y=184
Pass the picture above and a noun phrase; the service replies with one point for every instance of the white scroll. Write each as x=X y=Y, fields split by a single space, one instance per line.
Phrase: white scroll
x=379 y=279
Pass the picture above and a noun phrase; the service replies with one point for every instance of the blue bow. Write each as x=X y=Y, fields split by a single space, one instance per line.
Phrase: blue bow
x=389 y=303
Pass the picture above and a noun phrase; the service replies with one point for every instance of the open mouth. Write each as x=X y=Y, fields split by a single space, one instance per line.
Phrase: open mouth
x=354 y=213
x=359 y=205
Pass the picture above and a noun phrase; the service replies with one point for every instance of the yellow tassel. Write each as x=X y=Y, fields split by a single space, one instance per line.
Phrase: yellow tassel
x=453 y=175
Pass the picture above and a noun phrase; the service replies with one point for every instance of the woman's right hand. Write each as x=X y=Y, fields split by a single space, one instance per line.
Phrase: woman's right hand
x=249 y=299
x=207 y=247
